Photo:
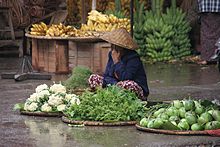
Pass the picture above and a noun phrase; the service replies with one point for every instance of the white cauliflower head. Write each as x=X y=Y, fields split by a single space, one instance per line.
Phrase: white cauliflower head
x=41 y=87
x=31 y=107
x=70 y=96
x=58 y=88
x=75 y=101
x=33 y=97
x=55 y=100
x=61 y=107
x=43 y=93
x=46 y=108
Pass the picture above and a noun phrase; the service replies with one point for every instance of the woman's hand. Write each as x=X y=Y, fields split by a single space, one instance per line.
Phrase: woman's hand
x=115 y=56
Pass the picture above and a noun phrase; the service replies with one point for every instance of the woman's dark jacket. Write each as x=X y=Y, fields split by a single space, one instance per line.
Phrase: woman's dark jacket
x=129 y=68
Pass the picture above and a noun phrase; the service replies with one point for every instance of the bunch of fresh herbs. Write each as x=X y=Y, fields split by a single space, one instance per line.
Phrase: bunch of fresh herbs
x=109 y=104
x=79 y=78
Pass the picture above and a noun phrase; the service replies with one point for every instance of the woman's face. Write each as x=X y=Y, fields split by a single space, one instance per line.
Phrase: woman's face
x=115 y=54
x=121 y=51
x=113 y=47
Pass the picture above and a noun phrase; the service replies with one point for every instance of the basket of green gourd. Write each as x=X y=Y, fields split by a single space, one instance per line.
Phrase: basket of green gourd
x=182 y=117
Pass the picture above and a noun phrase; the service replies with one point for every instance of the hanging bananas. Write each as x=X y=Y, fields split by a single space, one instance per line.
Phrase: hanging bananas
x=163 y=37
x=180 y=38
x=73 y=16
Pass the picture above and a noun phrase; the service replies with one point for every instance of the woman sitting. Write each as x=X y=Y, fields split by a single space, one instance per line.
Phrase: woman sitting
x=124 y=67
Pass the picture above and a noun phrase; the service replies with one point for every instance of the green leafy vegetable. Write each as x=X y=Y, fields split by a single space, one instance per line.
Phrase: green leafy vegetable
x=18 y=106
x=78 y=79
x=109 y=104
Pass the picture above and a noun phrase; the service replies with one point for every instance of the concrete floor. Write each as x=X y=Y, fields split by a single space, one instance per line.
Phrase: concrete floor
x=166 y=82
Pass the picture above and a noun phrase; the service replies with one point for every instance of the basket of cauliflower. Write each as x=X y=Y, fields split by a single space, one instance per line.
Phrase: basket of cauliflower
x=47 y=101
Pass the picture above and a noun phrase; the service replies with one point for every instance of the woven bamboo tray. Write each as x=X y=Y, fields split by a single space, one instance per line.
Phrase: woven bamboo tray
x=78 y=39
x=77 y=91
x=98 y=123
x=170 y=132
x=44 y=114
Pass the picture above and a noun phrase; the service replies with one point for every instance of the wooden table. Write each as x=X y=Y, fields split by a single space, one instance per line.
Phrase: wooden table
x=60 y=55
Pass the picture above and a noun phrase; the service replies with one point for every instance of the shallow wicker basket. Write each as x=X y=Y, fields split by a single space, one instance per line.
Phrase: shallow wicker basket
x=170 y=132
x=98 y=123
x=43 y=114
x=78 y=39
x=78 y=91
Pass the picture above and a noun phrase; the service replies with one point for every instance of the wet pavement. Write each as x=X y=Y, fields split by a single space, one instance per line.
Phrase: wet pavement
x=166 y=82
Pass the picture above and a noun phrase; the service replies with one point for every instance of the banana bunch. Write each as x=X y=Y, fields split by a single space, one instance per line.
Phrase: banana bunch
x=73 y=16
x=139 y=19
x=80 y=33
x=97 y=22
x=139 y=38
x=180 y=38
x=101 y=5
x=101 y=23
x=158 y=49
x=125 y=4
x=71 y=31
x=154 y=38
x=54 y=30
x=59 y=30
x=111 y=6
x=163 y=37
x=39 y=29
x=158 y=42
x=79 y=7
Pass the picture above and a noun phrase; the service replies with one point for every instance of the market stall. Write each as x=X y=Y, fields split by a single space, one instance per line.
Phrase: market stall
x=58 y=48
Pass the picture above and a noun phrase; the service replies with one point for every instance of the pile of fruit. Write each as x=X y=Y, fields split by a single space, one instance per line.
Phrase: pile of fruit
x=39 y=29
x=101 y=23
x=73 y=12
x=61 y=30
x=162 y=36
x=97 y=22
x=184 y=115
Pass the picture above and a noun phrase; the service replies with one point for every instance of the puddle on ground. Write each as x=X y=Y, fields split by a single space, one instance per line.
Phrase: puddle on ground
x=181 y=74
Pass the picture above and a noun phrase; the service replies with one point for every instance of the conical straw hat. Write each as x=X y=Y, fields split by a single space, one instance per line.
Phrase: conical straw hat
x=121 y=38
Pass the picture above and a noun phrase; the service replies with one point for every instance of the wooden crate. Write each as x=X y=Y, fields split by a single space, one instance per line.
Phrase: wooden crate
x=50 y=55
x=93 y=55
